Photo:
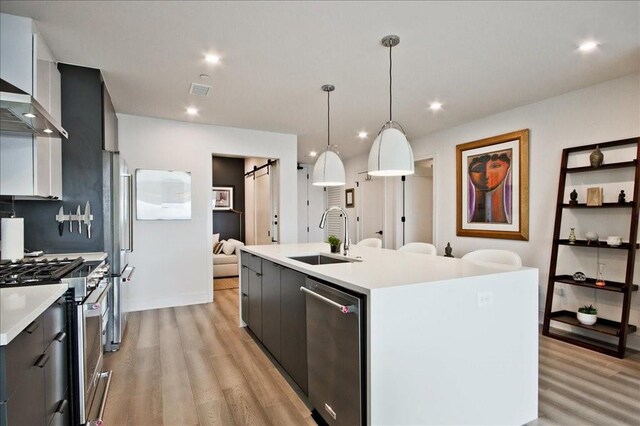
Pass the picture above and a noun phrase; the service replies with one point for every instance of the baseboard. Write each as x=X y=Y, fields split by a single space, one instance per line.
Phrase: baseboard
x=169 y=302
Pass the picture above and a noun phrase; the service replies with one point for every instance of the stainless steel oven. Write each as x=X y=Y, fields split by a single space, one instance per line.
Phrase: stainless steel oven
x=93 y=382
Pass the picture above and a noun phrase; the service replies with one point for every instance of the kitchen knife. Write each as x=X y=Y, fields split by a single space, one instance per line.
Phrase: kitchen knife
x=87 y=218
x=60 y=219
x=79 y=217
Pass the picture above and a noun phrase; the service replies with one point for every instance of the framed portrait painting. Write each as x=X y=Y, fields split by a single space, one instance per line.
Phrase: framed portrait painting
x=493 y=187
x=222 y=198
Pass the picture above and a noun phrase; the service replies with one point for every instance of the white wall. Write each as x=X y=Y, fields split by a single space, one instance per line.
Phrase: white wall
x=600 y=113
x=173 y=259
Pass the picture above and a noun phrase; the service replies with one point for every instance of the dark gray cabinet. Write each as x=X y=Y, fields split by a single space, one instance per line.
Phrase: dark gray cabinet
x=274 y=308
x=255 y=303
x=293 y=327
x=34 y=372
x=244 y=293
x=251 y=292
x=271 y=307
x=55 y=383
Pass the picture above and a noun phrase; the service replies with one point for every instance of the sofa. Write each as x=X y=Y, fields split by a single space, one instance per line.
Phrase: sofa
x=225 y=262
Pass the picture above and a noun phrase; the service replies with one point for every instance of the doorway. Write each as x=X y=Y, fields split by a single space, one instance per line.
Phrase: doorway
x=417 y=205
x=370 y=207
x=262 y=201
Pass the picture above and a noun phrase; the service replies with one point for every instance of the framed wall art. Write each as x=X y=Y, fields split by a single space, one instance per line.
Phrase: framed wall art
x=163 y=195
x=349 y=196
x=222 y=198
x=493 y=187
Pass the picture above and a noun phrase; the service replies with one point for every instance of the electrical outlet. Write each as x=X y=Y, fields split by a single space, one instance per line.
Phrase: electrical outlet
x=485 y=298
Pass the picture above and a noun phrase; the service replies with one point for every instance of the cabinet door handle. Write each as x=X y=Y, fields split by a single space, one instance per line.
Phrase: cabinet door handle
x=42 y=360
x=62 y=405
x=60 y=336
x=32 y=327
x=245 y=295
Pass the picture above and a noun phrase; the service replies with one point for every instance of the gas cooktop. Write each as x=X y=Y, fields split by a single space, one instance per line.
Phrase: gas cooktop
x=35 y=272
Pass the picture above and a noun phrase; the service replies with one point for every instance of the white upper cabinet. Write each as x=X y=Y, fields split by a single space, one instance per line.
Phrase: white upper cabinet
x=46 y=77
x=30 y=165
x=16 y=52
x=27 y=63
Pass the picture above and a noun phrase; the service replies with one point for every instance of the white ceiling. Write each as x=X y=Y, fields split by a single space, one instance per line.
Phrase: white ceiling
x=478 y=58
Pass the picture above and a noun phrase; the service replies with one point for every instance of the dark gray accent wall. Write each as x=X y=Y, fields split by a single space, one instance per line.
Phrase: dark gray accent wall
x=229 y=172
x=81 y=169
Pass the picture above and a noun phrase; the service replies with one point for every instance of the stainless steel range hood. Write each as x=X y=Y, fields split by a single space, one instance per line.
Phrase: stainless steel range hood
x=20 y=112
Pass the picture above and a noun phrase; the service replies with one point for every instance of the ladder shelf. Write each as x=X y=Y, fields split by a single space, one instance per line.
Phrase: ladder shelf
x=612 y=328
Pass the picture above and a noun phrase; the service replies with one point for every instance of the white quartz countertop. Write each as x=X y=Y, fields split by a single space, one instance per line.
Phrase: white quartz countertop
x=377 y=268
x=19 y=306
x=88 y=257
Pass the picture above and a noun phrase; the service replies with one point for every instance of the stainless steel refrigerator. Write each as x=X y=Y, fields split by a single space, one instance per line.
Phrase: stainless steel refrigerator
x=118 y=234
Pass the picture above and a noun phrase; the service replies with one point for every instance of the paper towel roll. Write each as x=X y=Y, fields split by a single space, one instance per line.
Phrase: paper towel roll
x=12 y=238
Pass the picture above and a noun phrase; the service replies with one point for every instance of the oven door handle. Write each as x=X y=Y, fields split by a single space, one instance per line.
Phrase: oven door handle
x=93 y=303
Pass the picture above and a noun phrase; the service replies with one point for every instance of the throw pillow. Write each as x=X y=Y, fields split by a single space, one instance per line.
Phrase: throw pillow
x=228 y=248
x=236 y=243
x=216 y=238
x=217 y=249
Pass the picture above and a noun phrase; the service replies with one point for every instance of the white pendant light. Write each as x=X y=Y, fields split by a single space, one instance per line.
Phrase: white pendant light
x=328 y=170
x=391 y=153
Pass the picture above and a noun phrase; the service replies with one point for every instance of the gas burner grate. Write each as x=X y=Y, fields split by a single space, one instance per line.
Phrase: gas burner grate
x=44 y=271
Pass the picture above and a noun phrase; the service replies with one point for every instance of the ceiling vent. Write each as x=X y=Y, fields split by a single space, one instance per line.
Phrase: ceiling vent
x=199 y=89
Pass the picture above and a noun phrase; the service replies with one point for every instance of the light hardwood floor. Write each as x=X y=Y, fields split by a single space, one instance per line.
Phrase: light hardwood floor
x=225 y=283
x=192 y=365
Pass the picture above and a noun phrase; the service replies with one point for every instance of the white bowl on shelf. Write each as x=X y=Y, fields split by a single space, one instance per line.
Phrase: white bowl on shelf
x=587 y=319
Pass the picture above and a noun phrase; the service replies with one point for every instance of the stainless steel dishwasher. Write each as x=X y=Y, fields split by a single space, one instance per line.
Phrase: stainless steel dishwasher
x=334 y=353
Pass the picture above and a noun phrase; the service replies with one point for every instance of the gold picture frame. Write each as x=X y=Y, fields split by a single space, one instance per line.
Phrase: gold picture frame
x=492 y=177
x=594 y=196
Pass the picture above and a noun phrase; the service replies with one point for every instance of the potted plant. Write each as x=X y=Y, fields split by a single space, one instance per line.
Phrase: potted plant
x=587 y=315
x=334 y=242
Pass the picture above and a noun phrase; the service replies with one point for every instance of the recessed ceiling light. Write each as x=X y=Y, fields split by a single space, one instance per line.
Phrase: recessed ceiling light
x=313 y=154
x=211 y=58
x=48 y=131
x=362 y=135
x=435 y=106
x=192 y=111
x=588 y=46
x=29 y=115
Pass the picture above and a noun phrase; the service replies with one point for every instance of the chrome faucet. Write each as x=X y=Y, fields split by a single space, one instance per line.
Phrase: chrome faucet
x=346 y=225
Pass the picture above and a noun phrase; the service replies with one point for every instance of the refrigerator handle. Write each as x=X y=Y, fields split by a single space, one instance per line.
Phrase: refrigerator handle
x=130 y=210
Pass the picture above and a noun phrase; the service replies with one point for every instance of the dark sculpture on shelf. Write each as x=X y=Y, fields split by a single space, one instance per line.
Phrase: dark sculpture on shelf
x=579 y=277
x=448 y=250
x=574 y=198
x=621 y=197
x=596 y=157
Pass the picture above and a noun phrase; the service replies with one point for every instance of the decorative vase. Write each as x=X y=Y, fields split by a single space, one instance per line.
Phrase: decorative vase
x=572 y=236
x=600 y=276
x=335 y=249
x=596 y=157
x=586 y=319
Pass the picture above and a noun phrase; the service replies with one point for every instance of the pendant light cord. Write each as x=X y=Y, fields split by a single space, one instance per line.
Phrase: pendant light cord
x=328 y=119
x=390 y=84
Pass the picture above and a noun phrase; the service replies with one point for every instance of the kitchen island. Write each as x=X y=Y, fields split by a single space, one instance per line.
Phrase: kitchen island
x=447 y=341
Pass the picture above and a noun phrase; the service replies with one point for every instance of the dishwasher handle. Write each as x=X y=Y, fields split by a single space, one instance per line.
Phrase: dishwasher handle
x=344 y=309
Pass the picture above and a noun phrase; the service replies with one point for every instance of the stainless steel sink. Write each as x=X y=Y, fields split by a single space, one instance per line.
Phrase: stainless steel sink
x=321 y=259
